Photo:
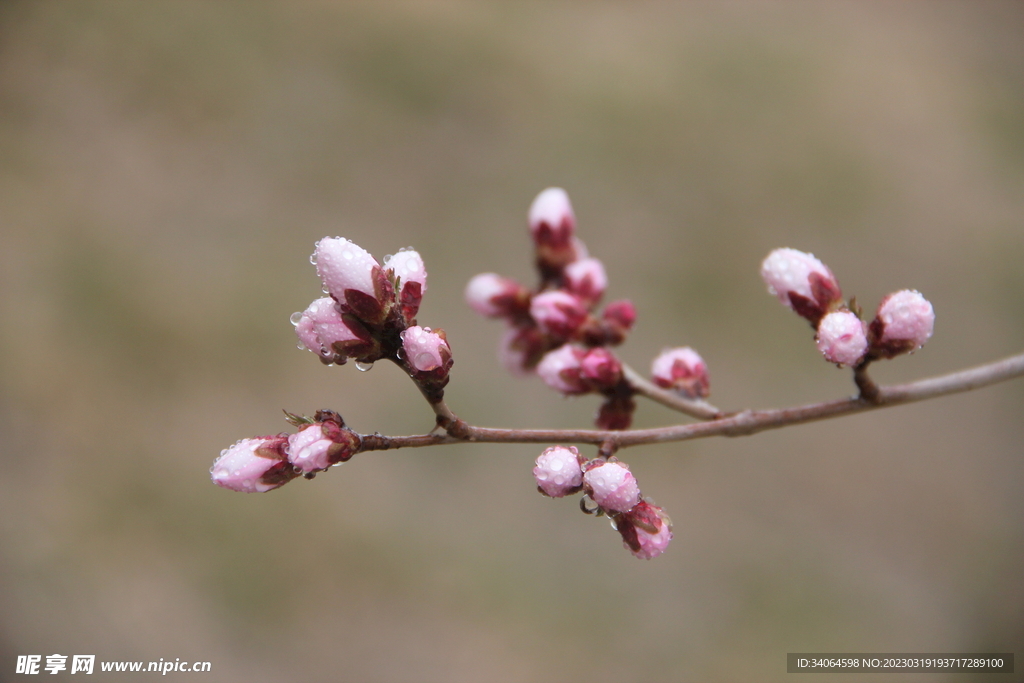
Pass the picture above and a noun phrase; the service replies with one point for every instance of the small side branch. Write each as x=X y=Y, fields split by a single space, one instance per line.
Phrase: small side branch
x=696 y=408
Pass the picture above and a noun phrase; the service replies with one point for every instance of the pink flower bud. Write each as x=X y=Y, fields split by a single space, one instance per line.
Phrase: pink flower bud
x=616 y=413
x=319 y=445
x=904 y=322
x=322 y=329
x=646 y=530
x=616 y=321
x=683 y=370
x=253 y=465
x=521 y=349
x=558 y=472
x=601 y=368
x=427 y=352
x=622 y=313
x=842 y=338
x=552 y=225
x=586 y=279
x=344 y=265
x=562 y=369
x=801 y=282
x=551 y=217
x=408 y=267
x=558 y=313
x=611 y=485
x=494 y=296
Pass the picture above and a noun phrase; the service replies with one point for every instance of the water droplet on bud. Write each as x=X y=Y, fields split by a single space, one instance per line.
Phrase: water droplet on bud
x=296 y=317
x=363 y=367
x=312 y=258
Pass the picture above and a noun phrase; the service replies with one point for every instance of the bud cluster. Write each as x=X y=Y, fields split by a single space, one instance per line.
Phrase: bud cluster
x=902 y=324
x=557 y=330
x=264 y=463
x=370 y=313
x=645 y=528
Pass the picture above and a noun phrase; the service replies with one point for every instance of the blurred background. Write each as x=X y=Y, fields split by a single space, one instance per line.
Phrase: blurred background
x=166 y=167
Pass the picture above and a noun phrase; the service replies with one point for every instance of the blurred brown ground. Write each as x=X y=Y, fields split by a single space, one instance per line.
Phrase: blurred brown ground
x=165 y=168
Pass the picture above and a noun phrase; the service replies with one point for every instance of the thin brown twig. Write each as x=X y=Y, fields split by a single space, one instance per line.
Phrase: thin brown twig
x=740 y=424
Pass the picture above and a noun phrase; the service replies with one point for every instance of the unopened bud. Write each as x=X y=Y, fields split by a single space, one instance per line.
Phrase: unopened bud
x=552 y=220
x=683 y=370
x=558 y=472
x=616 y=413
x=427 y=353
x=253 y=465
x=622 y=313
x=552 y=225
x=586 y=279
x=343 y=265
x=601 y=368
x=353 y=277
x=611 y=485
x=521 y=349
x=319 y=445
x=494 y=296
x=558 y=313
x=646 y=530
x=408 y=267
x=616 y=321
x=842 y=338
x=562 y=370
x=904 y=322
x=323 y=330
x=802 y=283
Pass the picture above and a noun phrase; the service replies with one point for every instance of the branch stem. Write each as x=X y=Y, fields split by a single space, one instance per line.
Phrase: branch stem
x=739 y=424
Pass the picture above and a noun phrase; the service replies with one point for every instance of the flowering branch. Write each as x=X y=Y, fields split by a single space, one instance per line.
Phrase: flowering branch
x=557 y=331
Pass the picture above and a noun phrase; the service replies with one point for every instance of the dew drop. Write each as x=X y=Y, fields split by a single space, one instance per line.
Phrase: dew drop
x=312 y=258
x=425 y=361
x=363 y=367
x=348 y=255
x=388 y=257
x=611 y=520
x=295 y=318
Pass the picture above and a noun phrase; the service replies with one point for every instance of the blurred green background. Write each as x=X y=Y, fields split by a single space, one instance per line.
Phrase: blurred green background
x=166 y=167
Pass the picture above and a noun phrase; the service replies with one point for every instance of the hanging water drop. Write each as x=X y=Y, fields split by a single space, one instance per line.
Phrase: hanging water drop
x=295 y=318
x=363 y=367
x=312 y=258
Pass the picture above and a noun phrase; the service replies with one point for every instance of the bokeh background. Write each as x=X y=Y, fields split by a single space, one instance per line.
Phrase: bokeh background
x=166 y=167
